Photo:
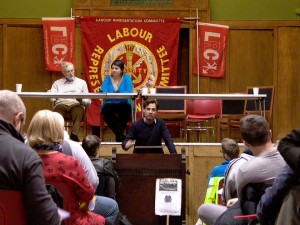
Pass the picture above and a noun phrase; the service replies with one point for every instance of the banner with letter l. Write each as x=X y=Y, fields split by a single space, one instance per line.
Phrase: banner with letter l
x=147 y=46
x=59 y=39
x=210 y=56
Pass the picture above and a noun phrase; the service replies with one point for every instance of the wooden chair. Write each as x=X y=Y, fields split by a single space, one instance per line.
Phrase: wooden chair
x=230 y=109
x=12 y=210
x=252 y=107
x=69 y=123
x=173 y=112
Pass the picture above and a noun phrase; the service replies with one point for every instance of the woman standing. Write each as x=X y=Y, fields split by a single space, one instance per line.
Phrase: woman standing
x=117 y=112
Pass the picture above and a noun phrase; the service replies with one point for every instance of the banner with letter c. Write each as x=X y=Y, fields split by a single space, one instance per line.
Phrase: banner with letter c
x=210 y=56
x=59 y=39
x=147 y=46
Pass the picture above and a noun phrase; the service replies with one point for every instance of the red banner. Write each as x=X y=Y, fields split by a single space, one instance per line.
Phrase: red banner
x=59 y=42
x=147 y=46
x=211 y=52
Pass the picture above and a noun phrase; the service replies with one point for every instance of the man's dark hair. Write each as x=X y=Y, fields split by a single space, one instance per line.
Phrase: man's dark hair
x=150 y=101
x=91 y=144
x=255 y=130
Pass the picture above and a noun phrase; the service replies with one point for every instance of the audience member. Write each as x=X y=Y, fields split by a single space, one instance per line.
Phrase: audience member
x=229 y=186
x=149 y=131
x=117 y=112
x=229 y=189
x=46 y=135
x=256 y=135
x=280 y=203
x=104 y=167
x=20 y=167
x=230 y=150
x=76 y=107
x=104 y=206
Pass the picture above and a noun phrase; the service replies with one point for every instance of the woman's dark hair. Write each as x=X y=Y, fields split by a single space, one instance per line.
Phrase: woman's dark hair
x=118 y=63
x=91 y=144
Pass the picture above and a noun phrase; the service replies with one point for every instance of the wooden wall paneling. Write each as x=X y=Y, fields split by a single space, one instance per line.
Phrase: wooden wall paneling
x=288 y=79
x=1 y=54
x=24 y=63
x=205 y=159
x=251 y=58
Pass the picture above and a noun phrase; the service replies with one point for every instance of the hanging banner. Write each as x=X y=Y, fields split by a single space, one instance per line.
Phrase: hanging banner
x=147 y=46
x=211 y=52
x=59 y=39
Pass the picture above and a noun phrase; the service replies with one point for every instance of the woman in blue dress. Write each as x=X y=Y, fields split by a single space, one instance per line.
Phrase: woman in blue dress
x=117 y=112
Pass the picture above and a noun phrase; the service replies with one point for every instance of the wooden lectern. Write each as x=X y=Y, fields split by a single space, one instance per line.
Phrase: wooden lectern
x=138 y=174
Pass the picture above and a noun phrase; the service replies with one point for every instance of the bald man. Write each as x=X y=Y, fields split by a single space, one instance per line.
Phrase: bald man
x=21 y=168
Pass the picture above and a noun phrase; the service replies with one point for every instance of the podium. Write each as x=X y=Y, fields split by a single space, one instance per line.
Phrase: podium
x=138 y=174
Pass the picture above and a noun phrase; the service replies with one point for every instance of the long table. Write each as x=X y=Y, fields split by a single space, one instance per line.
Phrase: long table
x=260 y=98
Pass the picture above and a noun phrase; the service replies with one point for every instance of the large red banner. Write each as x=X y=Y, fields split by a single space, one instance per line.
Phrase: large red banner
x=59 y=41
x=210 y=56
x=147 y=46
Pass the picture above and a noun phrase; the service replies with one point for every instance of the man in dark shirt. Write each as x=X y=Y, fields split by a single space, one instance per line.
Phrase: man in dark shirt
x=21 y=168
x=147 y=133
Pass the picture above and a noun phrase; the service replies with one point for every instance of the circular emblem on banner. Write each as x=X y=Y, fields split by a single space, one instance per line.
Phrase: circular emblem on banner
x=139 y=62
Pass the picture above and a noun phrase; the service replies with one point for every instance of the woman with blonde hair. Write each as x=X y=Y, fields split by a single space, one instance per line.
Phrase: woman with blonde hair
x=45 y=135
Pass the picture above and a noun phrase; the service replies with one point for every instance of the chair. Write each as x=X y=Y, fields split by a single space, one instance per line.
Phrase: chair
x=230 y=108
x=172 y=111
x=12 y=209
x=134 y=116
x=69 y=123
x=252 y=107
x=201 y=116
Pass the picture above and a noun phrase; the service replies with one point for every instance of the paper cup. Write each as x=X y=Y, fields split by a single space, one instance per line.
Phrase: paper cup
x=18 y=87
x=144 y=90
x=152 y=90
x=255 y=90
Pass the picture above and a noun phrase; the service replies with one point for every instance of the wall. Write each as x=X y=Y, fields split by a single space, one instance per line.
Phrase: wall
x=220 y=9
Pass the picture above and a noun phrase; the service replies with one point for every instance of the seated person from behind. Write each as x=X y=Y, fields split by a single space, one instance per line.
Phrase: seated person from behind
x=76 y=107
x=261 y=169
x=91 y=145
x=280 y=203
x=21 y=168
x=149 y=131
x=117 y=112
x=230 y=150
x=46 y=135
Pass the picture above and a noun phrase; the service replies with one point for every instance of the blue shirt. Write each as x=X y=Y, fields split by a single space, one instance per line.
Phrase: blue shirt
x=125 y=86
x=219 y=171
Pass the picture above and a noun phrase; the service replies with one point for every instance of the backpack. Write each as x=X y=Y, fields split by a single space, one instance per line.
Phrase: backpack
x=108 y=178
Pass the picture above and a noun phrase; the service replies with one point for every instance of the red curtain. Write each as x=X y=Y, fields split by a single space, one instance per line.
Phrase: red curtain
x=59 y=42
x=211 y=52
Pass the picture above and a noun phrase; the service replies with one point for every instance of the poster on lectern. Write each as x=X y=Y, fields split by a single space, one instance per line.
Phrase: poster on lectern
x=168 y=197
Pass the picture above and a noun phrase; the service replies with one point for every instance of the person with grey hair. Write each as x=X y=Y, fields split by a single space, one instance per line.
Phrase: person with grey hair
x=76 y=107
x=21 y=168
